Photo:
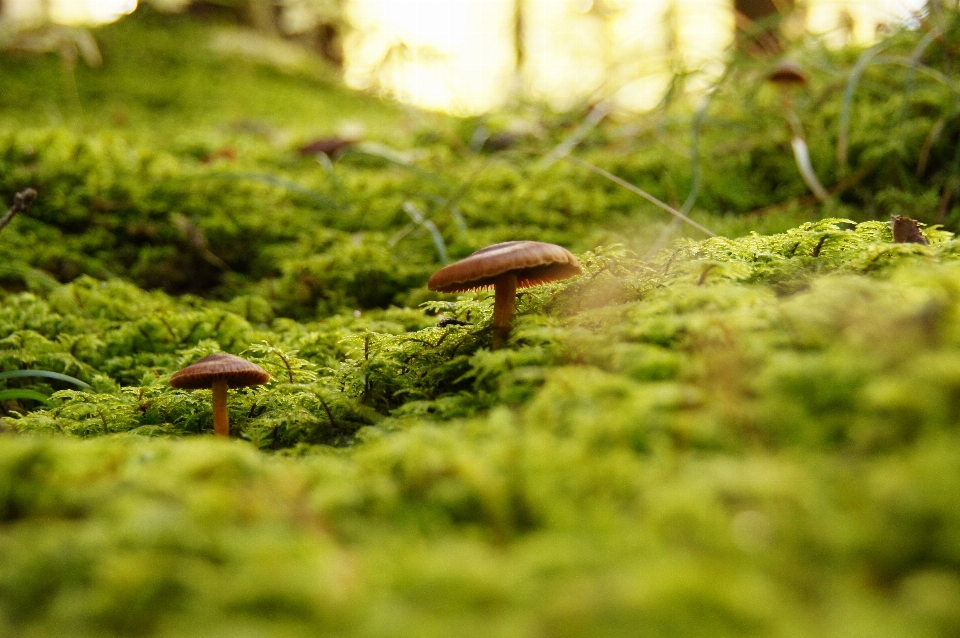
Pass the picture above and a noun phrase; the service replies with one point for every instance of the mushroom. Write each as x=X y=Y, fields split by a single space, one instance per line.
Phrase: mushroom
x=506 y=267
x=788 y=73
x=786 y=76
x=218 y=372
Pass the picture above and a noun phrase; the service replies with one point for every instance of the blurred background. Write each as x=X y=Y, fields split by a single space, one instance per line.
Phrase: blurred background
x=468 y=57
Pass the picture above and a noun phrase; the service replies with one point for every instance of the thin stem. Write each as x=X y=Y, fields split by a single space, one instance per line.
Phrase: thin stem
x=221 y=419
x=642 y=193
x=802 y=155
x=796 y=128
x=562 y=150
x=843 y=135
x=21 y=202
x=504 y=305
x=286 y=363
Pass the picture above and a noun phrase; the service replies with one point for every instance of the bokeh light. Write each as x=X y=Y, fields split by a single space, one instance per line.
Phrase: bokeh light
x=459 y=56
x=71 y=11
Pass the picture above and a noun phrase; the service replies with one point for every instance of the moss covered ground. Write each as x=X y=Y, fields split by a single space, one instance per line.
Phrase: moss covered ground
x=749 y=435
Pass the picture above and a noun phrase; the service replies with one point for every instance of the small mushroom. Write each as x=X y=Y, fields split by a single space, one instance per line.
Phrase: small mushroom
x=332 y=147
x=786 y=76
x=788 y=73
x=506 y=267
x=218 y=372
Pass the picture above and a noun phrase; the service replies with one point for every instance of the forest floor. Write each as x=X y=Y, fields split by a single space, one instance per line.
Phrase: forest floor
x=753 y=434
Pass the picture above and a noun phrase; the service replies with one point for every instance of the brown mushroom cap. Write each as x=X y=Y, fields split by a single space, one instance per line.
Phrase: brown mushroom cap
x=237 y=372
x=788 y=72
x=533 y=262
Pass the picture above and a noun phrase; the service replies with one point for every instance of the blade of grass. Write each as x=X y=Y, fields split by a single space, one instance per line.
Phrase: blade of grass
x=695 y=177
x=836 y=189
x=843 y=136
x=928 y=143
x=918 y=52
x=33 y=395
x=949 y=187
x=46 y=374
x=642 y=193
x=451 y=203
x=420 y=219
x=274 y=181
x=562 y=150
x=942 y=78
x=384 y=152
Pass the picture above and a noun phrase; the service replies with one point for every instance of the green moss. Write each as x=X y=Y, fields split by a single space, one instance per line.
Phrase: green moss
x=480 y=528
x=670 y=321
x=753 y=434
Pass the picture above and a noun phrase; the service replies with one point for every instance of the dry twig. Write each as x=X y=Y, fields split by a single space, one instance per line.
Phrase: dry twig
x=21 y=202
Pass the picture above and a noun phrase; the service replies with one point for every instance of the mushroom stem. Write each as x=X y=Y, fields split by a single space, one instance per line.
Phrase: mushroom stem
x=802 y=155
x=801 y=152
x=221 y=419
x=504 y=305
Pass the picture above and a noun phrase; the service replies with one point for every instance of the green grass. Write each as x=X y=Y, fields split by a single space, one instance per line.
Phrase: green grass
x=163 y=82
x=751 y=435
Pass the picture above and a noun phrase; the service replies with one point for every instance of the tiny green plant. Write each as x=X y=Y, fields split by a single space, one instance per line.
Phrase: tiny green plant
x=34 y=395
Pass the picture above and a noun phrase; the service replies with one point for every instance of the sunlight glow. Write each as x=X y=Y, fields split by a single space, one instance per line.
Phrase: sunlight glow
x=826 y=16
x=439 y=54
x=458 y=55
x=71 y=11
